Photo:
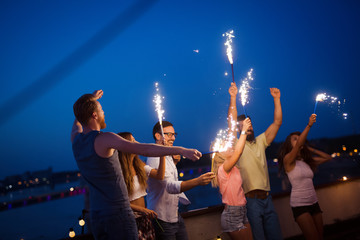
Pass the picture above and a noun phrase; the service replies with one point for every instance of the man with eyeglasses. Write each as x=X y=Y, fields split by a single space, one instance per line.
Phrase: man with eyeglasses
x=164 y=195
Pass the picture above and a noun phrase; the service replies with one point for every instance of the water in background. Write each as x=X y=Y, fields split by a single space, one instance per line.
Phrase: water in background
x=52 y=219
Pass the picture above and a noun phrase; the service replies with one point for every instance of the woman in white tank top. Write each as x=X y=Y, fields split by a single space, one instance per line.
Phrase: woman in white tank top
x=299 y=161
x=136 y=173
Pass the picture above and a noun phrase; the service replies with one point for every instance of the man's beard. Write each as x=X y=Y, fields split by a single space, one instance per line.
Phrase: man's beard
x=250 y=137
x=102 y=123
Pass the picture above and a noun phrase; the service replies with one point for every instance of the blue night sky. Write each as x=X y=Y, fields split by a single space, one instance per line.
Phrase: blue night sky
x=301 y=47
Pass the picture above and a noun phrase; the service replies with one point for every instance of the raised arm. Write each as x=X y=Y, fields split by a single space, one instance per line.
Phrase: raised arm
x=160 y=172
x=105 y=143
x=239 y=148
x=272 y=130
x=232 y=112
x=289 y=159
x=320 y=157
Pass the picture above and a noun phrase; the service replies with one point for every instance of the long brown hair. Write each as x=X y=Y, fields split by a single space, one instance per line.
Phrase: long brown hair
x=305 y=153
x=125 y=161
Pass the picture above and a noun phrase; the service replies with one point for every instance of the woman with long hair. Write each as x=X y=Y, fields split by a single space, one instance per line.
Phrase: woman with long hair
x=299 y=161
x=228 y=178
x=136 y=173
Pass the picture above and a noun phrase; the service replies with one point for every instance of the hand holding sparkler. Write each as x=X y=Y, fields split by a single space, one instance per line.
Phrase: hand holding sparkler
x=191 y=154
x=312 y=119
x=233 y=90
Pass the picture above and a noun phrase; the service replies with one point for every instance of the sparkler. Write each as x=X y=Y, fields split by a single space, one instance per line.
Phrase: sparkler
x=158 y=108
x=321 y=97
x=244 y=89
x=229 y=35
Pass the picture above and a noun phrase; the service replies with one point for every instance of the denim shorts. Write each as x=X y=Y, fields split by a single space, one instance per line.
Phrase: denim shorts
x=312 y=209
x=233 y=218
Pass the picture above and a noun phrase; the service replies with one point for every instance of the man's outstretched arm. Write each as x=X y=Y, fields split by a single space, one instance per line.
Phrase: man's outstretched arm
x=272 y=130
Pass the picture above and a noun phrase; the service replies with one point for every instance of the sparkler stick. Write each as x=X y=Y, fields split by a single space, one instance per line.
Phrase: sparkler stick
x=158 y=108
x=244 y=89
x=229 y=35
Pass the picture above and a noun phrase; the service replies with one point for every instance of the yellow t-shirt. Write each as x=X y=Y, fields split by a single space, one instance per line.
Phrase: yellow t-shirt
x=253 y=165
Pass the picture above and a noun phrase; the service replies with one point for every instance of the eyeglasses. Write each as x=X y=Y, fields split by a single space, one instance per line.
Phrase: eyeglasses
x=170 y=134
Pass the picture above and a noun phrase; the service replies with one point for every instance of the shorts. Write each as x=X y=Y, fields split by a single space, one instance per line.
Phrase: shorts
x=312 y=209
x=233 y=218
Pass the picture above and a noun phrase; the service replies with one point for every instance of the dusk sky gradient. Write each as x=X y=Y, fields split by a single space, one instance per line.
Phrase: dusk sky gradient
x=301 y=47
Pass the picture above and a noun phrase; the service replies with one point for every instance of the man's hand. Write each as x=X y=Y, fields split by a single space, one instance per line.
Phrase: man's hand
x=233 y=90
x=206 y=178
x=192 y=154
x=98 y=94
x=275 y=92
x=246 y=124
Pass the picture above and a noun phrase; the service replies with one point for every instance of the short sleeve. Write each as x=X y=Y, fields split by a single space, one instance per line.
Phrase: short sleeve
x=262 y=139
x=147 y=170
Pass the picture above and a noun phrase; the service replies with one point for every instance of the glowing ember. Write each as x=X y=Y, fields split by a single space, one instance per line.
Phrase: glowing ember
x=158 y=108
x=229 y=35
x=244 y=88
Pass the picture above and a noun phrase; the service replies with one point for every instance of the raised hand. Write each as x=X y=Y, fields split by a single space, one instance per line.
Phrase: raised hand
x=275 y=92
x=246 y=124
x=98 y=94
x=312 y=119
x=233 y=90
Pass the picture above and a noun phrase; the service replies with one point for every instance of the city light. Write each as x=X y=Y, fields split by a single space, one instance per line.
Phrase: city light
x=81 y=222
x=275 y=160
x=71 y=189
x=355 y=150
x=71 y=233
x=343 y=148
x=181 y=174
x=344 y=178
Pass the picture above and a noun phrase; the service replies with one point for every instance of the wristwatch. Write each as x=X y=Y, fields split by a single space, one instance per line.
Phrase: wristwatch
x=243 y=133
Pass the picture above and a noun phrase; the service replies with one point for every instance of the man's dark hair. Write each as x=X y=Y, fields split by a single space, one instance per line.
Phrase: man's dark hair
x=157 y=128
x=242 y=117
x=84 y=108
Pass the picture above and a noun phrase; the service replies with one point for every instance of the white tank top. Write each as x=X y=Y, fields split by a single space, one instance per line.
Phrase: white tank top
x=138 y=190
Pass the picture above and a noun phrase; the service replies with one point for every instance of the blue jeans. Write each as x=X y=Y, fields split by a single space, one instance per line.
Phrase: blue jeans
x=114 y=225
x=170 y=231
x=263 y=219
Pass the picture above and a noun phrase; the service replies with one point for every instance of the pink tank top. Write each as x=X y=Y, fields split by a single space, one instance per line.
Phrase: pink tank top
x=230 y=187
x=301 y=179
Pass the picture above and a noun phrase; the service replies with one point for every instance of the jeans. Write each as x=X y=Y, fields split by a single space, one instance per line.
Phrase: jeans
x=170 y=231
x=114 y=225
x=263 y=219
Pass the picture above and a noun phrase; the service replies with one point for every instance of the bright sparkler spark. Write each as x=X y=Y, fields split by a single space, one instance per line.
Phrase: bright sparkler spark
x=331 y=101
x=158 y=108
x=229 y=35
x=224 y=140
x=245 y=86
x=196 y=50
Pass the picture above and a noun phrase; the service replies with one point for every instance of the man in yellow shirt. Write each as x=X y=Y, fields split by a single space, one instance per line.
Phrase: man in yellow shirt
x=254 y=171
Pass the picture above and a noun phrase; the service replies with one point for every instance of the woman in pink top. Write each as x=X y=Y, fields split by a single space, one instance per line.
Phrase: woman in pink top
x=297 y=160
x=228 y=178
